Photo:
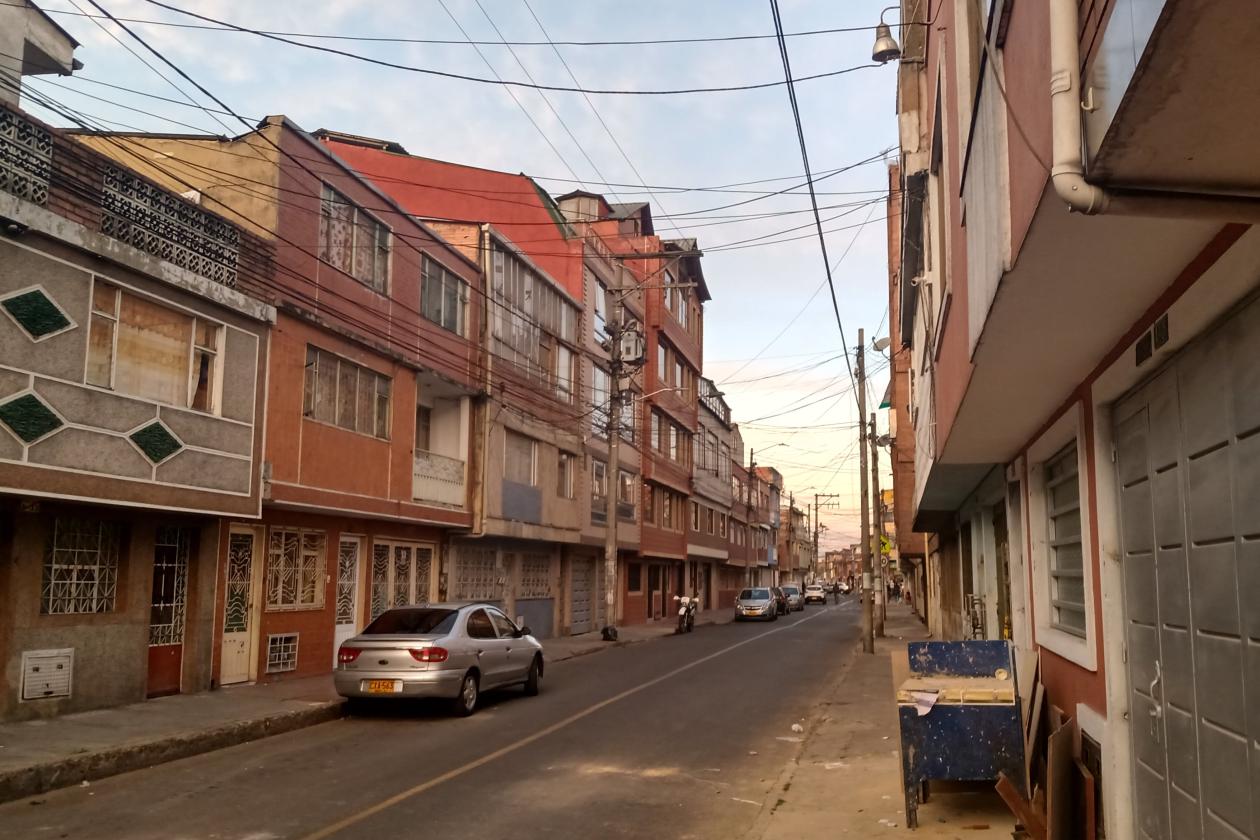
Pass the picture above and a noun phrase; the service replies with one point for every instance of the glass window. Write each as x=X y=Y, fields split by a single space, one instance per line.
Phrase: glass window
x=695 y=516
x=601 y=397
x=295 y=569
x=352 y=240
x=564 y=475
x=443 y=298
x=649 y=508
x=1067 y=566
x=599 y=479
x=424 y=427
x=625 y=488
x=634 y=577
x=502 y=625
x=344 y=394
x=601 y=311
x=519 y=458
x=564 y=373
x=480 y=627
x=418 y=620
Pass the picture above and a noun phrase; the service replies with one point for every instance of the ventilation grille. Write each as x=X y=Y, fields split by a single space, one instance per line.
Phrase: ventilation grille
x=47 y=673
x=282 y=653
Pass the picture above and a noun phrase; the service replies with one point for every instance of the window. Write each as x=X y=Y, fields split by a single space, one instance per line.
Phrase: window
x=443 y=298
x=282 y=653
x=518 y=456
x=695 y=516
x=564 y=373
x=634 y=577
x=724 y=461
x=502 y=624
x=601 y=398
x=1067 y=569
x=564 y=475
x=649 y=508
x=80 y=567
x=722 y=524
x=480 y=627
x=629 y=412
x=424 y=427
x=673 y=442
x=346 y=395
x=599 y=479
x=295 y=569
x=662 y=364
x=655 y=441
x=625 y=488
x=600 y=320
x=709 y=515
x=530 y=317
x=147 y=350
x=667 y=509
x=351 y=240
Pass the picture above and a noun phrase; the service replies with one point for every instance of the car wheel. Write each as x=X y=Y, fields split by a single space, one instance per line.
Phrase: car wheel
x=357 y=706
x=533 y=681
x=465 y=703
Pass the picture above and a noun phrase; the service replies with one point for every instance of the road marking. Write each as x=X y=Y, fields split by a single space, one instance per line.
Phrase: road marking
x=390 y=802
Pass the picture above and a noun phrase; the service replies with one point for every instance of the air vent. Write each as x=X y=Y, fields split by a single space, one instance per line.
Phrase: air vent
x=282 y=653
x=47 y=673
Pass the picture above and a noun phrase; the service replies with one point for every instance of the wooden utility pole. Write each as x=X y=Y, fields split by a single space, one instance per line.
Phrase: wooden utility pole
x=868 y=619
x=878 y=535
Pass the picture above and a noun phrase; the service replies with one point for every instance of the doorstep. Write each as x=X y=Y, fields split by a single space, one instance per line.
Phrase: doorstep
x=40 y=755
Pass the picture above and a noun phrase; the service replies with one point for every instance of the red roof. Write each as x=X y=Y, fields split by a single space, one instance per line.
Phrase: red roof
x=515 y=205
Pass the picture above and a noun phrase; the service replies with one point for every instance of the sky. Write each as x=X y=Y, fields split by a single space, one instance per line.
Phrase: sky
x=771 y=337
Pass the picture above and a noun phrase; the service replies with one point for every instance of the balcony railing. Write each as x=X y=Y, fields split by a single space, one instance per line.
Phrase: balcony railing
x=25 y=158
x=438 y=479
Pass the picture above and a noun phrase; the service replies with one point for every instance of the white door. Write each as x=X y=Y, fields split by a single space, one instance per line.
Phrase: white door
x=348 y=551
x=240 y=609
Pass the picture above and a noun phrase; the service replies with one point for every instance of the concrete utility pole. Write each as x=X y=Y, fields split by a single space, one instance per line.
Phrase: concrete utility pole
x=878 y=537
x=817 y=524
x=752 y=514
x=868 y=619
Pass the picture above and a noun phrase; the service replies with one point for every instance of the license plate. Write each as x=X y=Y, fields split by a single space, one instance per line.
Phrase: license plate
x=382 y=686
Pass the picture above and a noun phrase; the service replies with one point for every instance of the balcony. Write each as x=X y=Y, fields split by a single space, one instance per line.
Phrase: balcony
x=437 y=479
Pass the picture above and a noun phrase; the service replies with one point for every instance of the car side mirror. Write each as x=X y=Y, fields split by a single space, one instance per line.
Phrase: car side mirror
x=524 y=631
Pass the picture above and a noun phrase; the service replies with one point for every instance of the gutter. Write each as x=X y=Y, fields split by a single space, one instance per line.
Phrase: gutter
x=1068 y=166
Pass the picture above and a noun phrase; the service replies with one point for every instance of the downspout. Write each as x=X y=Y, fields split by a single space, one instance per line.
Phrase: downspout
x=1068 y=166
x=483 y=439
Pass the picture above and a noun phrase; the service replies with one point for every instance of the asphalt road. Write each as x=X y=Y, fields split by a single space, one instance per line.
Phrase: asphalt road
x=683 y=737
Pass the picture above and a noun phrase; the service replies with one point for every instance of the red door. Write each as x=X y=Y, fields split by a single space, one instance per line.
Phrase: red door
x=167 y=605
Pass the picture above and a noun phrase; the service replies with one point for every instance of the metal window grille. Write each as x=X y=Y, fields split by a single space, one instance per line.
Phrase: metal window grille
x=171 y=550
x=239 y=570
x=80 y=567
x=347 y=583
x=1067 y=566
x=477 y=575
x=380 y=579
x=25 y=158
x=295 y=569
x=536 y=575
x=282 y=653
x=169 y=227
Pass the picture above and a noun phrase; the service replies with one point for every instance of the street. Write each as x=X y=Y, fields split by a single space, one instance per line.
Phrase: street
x=682 y=737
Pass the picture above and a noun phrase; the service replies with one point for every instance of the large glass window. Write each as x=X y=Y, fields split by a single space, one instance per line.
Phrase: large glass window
x=519 y=458
x=600 y=400
x=345 y=394
x=443 y=296
x=530 y=317
x=599 y=479
x=148 y=350
x=352 y=240
x=1067 y=568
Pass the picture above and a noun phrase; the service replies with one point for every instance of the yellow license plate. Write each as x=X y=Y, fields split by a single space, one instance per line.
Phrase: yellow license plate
x=381 y=686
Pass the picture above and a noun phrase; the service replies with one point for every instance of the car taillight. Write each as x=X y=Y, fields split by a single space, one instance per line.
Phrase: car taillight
x=430 y=654
x=346 y=655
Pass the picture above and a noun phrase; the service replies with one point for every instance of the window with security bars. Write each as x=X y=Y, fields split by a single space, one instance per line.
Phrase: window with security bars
x=81 y=566
x=352 y=240
x=282 y=652
x=295 y=569
x=536 y=578
x=1063 y=532
x=172 y=547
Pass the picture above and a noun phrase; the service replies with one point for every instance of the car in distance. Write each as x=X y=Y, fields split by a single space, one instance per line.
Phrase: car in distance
x=756 y=602
x=452 y=651
x=781 y=597
x=815 y=594
x=795 y=600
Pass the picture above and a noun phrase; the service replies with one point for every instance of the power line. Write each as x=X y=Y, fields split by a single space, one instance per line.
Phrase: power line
x=428 y=71
x=441 y=41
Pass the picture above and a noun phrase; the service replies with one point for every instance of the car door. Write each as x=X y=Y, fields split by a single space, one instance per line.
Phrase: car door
x=490 y=650
x=518 y=652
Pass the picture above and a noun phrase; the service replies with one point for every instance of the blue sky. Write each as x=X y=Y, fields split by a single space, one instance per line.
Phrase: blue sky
x=710 y=139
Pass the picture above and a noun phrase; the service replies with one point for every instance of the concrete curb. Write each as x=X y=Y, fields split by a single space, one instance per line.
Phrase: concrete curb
x=41 y=778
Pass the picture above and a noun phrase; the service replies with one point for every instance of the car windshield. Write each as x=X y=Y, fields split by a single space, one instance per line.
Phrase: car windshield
x=791 y=590
x=420 y=620
x=754 y=595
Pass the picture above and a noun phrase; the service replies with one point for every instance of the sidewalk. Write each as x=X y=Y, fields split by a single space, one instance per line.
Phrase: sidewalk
x=846 y=781
x=40 y=755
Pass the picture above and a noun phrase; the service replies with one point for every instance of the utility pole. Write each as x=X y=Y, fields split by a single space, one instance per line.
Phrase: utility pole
x=817 y=518
x=749 y=554
x=868 y=618
x=877 y=502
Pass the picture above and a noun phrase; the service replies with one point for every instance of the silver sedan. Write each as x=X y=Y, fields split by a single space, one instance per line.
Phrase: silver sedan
x=756 y=602
x=448 y=651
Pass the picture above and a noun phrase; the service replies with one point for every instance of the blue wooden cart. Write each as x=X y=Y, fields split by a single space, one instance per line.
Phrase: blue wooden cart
x=960 y=717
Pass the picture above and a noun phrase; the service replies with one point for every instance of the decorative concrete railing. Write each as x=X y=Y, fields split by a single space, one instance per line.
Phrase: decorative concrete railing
x=438 y=479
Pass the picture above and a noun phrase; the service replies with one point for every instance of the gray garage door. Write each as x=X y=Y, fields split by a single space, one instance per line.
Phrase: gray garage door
x=582 y=596
x=1188 y=463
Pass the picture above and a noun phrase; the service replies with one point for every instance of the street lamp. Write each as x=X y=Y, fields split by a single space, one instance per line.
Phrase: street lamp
x=886 y=48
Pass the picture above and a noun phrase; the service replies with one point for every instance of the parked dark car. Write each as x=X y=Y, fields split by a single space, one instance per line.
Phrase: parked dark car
x=781 y=599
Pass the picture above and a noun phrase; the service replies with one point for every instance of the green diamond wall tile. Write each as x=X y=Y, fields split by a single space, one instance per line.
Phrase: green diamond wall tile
x=36 y=312
x=28 y=417
x=156 y=442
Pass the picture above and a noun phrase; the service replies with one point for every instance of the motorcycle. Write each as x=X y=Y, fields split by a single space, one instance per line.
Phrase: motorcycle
x=687 y=608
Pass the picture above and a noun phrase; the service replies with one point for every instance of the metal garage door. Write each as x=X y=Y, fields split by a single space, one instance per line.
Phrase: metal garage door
x=1188 y=463
x=582 y=596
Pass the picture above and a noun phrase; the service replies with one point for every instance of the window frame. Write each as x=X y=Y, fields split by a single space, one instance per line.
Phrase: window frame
x=446 y=279
x=1069 y=427
x=381 y=388
x=508 y=434
x=380 y=249
x=599 y=479
x=317 y=574
x=564 y=474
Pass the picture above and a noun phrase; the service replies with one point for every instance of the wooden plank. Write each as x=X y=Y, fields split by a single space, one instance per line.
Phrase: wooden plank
x=1088 y=805
x=1027 y=670
x=1062 y=821
x=1034 y=732
x=1025 y=813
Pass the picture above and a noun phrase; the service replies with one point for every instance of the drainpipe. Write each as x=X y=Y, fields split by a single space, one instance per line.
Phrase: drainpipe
x=1068 y=167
